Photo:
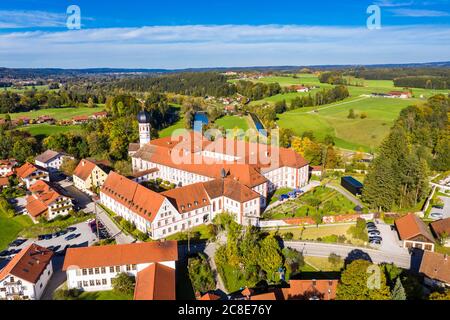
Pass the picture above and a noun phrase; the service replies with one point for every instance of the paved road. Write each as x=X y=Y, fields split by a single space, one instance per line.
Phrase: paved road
x=401 y=259
x=86 y=204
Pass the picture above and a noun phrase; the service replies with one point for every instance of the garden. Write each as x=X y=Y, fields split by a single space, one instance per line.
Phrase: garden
x=316 y=203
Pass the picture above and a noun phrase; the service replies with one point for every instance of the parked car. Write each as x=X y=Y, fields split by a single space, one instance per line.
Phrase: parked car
x=369 y=229
x=436 y=215
x=4 y=253
x=61 y=233
x=374 y=233
x=375 y=238
x=375 y=241
x=283 y=197
x=72 y=236
x=438 y=206
x=71 y=229
x=17 y=242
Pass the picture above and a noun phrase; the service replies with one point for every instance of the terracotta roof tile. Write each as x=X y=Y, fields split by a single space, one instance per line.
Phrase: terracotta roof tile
x=307 y=289
x=435 y=266
x=27 y=169
x=115 y=255
x=441 y=226
x=28 y=264
x=188 y=198
x=156 y=282
x=84 y=169
x=411 y=226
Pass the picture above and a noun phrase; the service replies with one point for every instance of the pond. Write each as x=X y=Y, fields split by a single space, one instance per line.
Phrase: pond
x=200 y=120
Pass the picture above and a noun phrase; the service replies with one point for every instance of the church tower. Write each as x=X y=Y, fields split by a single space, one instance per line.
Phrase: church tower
x=143 y=118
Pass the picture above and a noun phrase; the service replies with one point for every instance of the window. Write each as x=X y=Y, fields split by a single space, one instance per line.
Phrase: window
x=98 y=282
x=97 y=270
x=117 y=268
x=103 y=270
x=79 y=284
x=128 y=267
x=91 y=283
x=91 y=271
x=85 y=284
x=104 y=282
x=133 y=267
x=111 y=269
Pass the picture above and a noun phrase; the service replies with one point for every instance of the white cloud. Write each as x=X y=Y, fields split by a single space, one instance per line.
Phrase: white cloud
x=391 y=3
x=224 y=45
x=419 y=13
x=30 y=19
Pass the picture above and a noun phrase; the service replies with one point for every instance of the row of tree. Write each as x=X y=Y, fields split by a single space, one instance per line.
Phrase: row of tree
x=418 y=142
x=426 y=82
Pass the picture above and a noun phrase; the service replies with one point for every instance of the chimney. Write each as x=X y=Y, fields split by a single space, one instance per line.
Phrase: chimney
x=82 y=163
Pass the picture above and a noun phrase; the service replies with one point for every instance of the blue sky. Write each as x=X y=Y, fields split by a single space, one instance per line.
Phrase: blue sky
x=199 y=33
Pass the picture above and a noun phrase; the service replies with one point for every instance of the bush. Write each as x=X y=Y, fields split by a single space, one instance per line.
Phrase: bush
x=123 y=283
x=335 y=259
x=288 y=236
x=6 y=208
x=127 y=226
x=359 y=231
x=140 y=235
x=70 y=294
x=118 y=219
x=200 y=273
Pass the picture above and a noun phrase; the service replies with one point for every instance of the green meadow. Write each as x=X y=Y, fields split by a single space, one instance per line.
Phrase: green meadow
x=56 y=113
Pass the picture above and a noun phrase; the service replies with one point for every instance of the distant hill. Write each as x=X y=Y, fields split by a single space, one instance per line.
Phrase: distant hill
x=59 y=72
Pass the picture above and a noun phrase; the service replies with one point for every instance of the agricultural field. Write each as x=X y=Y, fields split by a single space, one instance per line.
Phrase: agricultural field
x=56 y=113
x=38 y=88
x=353 y=134
x=321 y=199
x=232 y=122
x=43 y=130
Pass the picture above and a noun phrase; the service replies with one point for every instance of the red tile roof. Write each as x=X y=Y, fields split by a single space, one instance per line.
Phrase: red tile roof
x=132 y=195
x=311 y=289
x=28 y=264
x=188 y=198
x=410 y=226
x=435 y=266
x=27 y=169
x=117 y=255
x=84 y=169
x=43 y=195
x=156 y=282
x=209 y=296
x=441 y=226
x=264 y=296
x=4 y=182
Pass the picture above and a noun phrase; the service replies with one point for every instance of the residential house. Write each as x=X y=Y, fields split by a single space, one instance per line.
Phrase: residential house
x=99 y=115
x=436 y=269
x=89 y=175
x=315 y=171
x=414 y=233
x=441 y=230
x=151 y=263
x=400 y=94
x=4 y=182
x=80 y=119
x=27 y=274
x=51 y=160
x=7 y=167
x=47 y=200
x=29 y=174
x=46 y=119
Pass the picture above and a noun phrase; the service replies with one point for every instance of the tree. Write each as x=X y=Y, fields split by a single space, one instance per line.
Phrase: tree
x=354 y=283
x=334 y=259
x=123 y=283
x=68 y=166
x=293 y=260
x=270 y=258
x=440 y=295
x=351 y=114
x=123 y=167
x=398 y=292
x=200 y=273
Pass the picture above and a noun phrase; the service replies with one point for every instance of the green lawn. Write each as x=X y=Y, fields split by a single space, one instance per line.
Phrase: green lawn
x=11 y=227
x=232 y=278
x=331 y=203
x=33 y=230
x=47 y=129
x=232 y=122
x=322 y=264
x=104 y=295
x=201 y=229
x=353 y=134
x=57 y=113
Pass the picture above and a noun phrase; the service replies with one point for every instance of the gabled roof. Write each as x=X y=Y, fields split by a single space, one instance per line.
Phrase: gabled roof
x=123 y=254
x=306 y=289
x=231 y=189
x=48 y=156
x=27 y=169
x=410 y=226
x=188 y=198
x=156 y=282
x=209 y=296
x=84 y=169
x=441 y=226
x=4 y=181
x=28 y=264
x=435 y=266
x=132 y=195
x=43 y=195
x=264 y=296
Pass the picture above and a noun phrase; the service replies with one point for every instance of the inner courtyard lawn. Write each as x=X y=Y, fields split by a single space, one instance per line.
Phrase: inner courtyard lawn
x=11 y=227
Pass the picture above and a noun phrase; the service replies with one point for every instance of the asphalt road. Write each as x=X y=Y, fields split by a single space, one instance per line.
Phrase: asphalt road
x=401 y=259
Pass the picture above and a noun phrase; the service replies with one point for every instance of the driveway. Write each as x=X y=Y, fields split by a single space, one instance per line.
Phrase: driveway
x=391 y=242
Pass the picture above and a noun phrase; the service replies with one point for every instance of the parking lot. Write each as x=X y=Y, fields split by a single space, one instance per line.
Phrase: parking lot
x=79 y=235
x=437 y=213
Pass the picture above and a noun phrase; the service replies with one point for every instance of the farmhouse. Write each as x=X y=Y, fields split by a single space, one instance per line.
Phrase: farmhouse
x=80 y=119
x=51 y=160
x=414 y=233
x=436 y=269
x=27 y=274
x=47 y=200
x=151 y=263
x=90 y=175
x=99 y=115
x=400 y=94
x=31 y=173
